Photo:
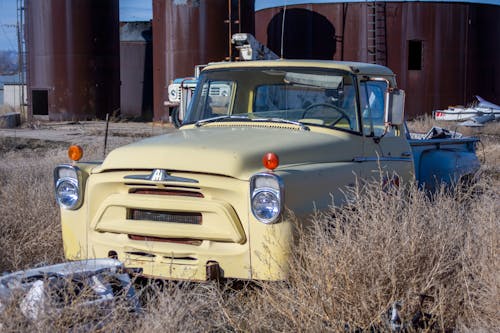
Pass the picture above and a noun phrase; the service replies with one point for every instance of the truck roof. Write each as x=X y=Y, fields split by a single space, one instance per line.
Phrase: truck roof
x=353 y=67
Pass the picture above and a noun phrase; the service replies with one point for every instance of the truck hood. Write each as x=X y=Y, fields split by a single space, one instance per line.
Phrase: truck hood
x=231 y=151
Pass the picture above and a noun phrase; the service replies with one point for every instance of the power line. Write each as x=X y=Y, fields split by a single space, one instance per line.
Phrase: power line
x=5 y=26
x=2 y=27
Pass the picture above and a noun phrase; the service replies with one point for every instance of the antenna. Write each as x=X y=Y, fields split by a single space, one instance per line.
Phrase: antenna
x=106 y=135
x=283 y=29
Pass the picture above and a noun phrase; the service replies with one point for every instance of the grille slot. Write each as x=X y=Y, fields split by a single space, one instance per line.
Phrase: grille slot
x=161 y=216
x=159 y=191
x=142 y=254
x=180 y=258
x=189 y=241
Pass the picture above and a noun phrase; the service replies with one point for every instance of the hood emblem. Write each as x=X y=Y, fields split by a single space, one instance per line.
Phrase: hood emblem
x=161 y=175
x=158 y=175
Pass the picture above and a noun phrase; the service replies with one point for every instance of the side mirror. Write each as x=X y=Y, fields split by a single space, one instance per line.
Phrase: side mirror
x=394 y=107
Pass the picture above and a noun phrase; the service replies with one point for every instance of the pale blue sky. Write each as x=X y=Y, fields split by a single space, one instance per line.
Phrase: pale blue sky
x=8 y=21
x=136 y=10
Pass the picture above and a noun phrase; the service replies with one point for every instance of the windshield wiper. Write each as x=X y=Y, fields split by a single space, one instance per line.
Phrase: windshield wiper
x=219 y=118
x=202 y=122
x=284 y=121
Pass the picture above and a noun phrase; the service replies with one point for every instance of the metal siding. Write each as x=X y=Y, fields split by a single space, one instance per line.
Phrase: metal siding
x=483 y=65
x=265 y=4
x=73 y=53
x=247 y=16
x=186 y=33
x=459 y=59
x=136 y=70
x=354 y=31
x=136 y=81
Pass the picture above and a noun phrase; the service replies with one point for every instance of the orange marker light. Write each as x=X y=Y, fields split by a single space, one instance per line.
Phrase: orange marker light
x=75 y=152
x=270 y=161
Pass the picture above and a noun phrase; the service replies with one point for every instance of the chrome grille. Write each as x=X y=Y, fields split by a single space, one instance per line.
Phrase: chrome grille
x=161 y=216
x=166 y=191
x=189 y=241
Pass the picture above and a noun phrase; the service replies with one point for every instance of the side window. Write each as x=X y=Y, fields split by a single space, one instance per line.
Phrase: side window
x=215 y=100
x=371 y=96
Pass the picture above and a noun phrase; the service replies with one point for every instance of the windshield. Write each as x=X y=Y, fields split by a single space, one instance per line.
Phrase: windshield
x=306 y=96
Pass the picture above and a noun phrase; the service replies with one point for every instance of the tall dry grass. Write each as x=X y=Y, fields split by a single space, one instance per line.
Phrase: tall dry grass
x=388 y=247
x=29 y=218
x=4 y=109
x=347 y=268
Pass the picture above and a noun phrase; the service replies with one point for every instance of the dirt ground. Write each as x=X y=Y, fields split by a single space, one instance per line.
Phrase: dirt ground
x=47 y=135
x=44 y=136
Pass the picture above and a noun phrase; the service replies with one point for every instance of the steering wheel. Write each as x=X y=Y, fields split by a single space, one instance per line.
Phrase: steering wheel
x=343 y=115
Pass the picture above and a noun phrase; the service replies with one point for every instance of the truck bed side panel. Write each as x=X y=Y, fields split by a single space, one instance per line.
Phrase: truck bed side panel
x=443 y=161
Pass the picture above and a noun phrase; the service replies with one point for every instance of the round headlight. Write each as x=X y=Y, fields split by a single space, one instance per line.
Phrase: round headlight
x=266 y=205
x=67 y=192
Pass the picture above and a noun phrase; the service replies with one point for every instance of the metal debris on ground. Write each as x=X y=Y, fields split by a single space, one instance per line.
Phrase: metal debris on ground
x=477 y=114
x=392 y=320
x=435 y=133
x=86 y=283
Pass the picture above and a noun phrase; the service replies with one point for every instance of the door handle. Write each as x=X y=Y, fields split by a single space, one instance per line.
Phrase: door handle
x=406 y=154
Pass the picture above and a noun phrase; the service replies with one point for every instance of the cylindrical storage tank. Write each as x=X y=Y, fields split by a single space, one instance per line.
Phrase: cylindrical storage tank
x=185 y=33
x=136 y=70
x=443 y=53
x=73 y=54
x=246 y=15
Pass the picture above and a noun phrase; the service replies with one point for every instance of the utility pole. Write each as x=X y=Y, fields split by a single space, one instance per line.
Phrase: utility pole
x=21 y=53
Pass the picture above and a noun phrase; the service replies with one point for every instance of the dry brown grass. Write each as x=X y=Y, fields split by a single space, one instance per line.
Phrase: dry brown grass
x=28 y=212
x=393 y=247
x=29 y=215
x=347 y=268
x=6 y=109
x=70 y=314
x=425 y=122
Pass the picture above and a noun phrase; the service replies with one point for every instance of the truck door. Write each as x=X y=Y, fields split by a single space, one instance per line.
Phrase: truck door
x=386 y=152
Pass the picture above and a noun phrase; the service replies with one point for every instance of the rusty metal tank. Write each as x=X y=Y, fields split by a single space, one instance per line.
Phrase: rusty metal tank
x=185 y=33
x=443 y=53
x=73 y=57
x=136 y=70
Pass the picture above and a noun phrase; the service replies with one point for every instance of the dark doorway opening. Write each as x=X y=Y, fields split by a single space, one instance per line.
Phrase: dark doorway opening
x=415 y=55
x=40 y=102
x=307 y=35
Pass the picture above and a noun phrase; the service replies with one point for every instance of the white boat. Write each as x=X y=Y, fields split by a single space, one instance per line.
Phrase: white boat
x=479 y=108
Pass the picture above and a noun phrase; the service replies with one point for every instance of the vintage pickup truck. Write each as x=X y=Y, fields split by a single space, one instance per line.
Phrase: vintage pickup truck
x=260 y=139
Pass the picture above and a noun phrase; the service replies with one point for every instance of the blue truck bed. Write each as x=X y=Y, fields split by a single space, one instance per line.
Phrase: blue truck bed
x=444 y=160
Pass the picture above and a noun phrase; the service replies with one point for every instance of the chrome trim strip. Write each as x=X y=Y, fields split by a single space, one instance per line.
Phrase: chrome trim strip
x=160 y=175
x=382 y=158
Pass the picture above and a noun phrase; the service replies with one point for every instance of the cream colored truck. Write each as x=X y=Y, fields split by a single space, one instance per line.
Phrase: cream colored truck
x=211 y=199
